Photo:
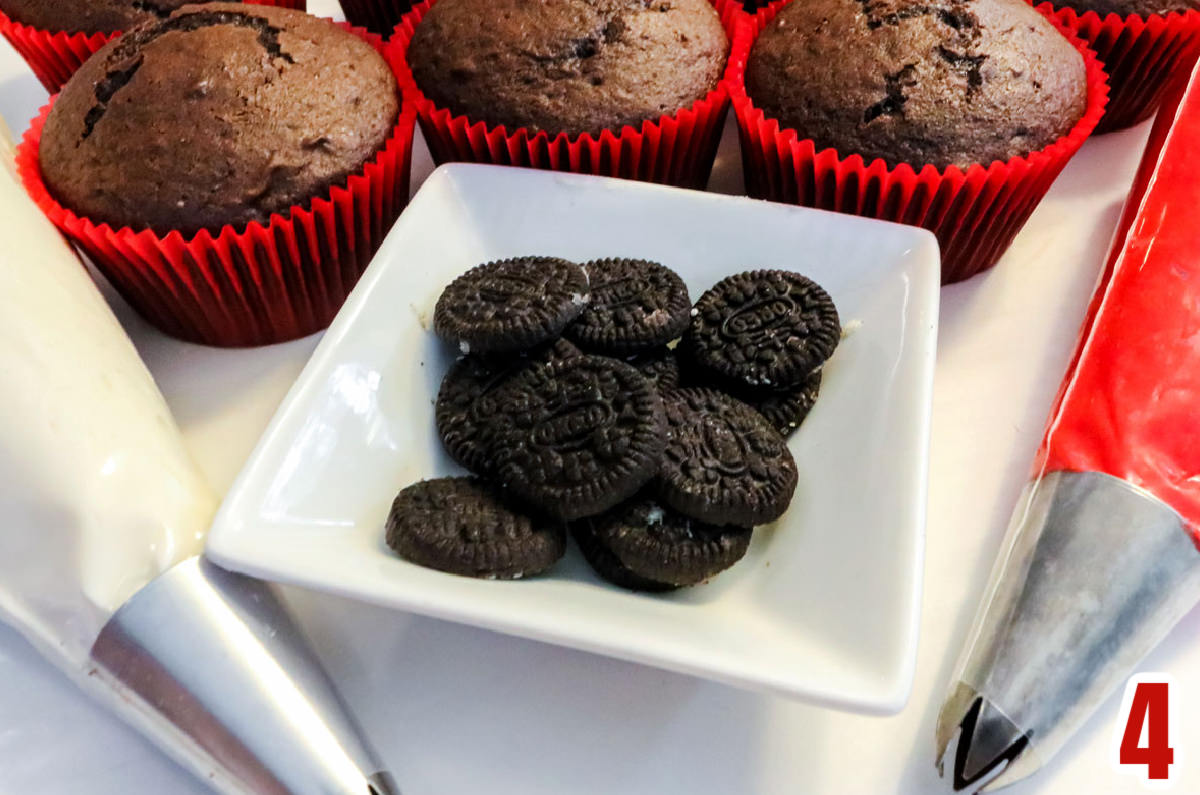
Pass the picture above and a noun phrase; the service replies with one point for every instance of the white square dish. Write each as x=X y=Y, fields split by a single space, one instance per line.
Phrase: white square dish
x=825 y=605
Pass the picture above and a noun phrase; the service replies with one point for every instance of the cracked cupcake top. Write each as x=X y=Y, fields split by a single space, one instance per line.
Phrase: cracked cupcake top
x=88 y=16
x=570 y=65
x=219 y=114
x=945 y=82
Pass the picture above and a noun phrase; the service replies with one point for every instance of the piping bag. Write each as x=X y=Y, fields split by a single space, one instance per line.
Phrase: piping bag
x=104 y=518
x=1100 y=560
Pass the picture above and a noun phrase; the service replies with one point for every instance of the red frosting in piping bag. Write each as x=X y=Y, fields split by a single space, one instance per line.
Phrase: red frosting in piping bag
x=1130 y=403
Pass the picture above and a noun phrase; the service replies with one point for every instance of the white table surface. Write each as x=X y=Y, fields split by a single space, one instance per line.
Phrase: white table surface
x=454 y=709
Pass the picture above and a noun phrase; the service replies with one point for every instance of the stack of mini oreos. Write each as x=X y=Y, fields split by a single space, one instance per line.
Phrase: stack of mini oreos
x=576 y=405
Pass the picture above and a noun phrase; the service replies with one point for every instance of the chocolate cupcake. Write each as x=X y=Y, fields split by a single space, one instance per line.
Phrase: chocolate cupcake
x=614 y=87
x=1144 y=45
x=1143 y=8
x=952 y=115
x=231 y=168
x=267 y=107
x=572 y=66
x=88 y=16
x=56 y=36
x=948 y=82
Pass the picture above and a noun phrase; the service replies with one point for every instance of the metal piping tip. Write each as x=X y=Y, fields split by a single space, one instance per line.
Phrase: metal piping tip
x=383 y=784
x=989 y=751
x=988 y=742
x=211 y=667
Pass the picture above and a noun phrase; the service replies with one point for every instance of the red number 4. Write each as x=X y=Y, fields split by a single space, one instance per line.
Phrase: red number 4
x=1149 y=710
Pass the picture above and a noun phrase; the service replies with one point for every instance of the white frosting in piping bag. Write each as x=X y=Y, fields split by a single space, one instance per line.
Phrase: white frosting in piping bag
x=97 y=494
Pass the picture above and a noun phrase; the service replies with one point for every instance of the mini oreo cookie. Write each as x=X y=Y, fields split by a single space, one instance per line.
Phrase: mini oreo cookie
x=511 y=305
x=657 y=544
x=724 y=463
x=577 y=436
x=764 y=329
x=609 y=566
x=464 y=526
x=785 y=409
x=465 y=399
x=636 y=304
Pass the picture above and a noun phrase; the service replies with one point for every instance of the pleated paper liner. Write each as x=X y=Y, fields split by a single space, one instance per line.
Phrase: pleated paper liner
x=1141 y=56
x=260 y=284
x=377 y=16
x=975 y=213
x=675 y=149
x=54 y=55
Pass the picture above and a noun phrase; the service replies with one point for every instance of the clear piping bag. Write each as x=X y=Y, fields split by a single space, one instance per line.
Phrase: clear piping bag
x=1100 y=560
x=104 y=522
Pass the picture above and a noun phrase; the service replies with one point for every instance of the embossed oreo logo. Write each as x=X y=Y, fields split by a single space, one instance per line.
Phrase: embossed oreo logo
x=624 y=291
x=757 y=319
x=580 y=408
x=723 y=446
x=573 y=426
x=505 y=287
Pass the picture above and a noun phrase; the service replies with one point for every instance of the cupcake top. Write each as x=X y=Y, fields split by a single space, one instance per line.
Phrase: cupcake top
x=942 y=82
x=1142 y=8
x=220 y=114
x=88 y=16
x=569 y=66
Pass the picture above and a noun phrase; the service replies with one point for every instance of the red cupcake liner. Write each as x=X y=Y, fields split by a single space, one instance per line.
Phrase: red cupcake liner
x=675 y=149
x=260 y=284
x=975 y=212
x=377 y=16
x=54 y=55
x=1141 y=56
